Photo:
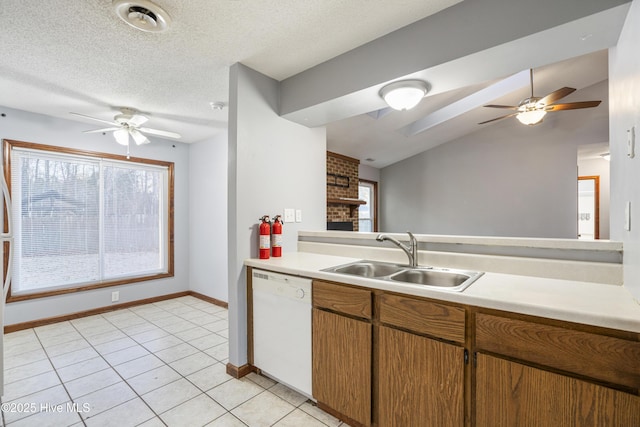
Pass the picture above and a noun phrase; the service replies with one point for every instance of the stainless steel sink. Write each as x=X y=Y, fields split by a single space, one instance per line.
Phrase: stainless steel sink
x=369 y=269
x=440 y=278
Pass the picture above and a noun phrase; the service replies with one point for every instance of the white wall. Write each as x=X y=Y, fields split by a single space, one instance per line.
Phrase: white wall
x=624 y=90
x=505 y=179
x=208 y=217
x=273 y=164
x=368 y=172
x=24 y=126
x=599 y=167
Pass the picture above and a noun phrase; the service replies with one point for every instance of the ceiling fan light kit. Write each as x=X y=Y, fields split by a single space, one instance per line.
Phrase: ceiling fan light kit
x=532 y=110
x=143 y=15
x=126 y=124
x=121 y=136
x=404 y=94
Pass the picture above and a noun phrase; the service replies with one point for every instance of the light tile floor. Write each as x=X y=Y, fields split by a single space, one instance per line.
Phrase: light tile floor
x=160 y=364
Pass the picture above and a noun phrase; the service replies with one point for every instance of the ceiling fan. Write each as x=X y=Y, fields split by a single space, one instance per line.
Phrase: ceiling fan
x=126 y=124
x=530 y=111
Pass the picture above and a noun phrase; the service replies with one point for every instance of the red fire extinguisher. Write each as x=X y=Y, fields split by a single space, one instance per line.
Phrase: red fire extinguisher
x=276 y=236
x=265 y=237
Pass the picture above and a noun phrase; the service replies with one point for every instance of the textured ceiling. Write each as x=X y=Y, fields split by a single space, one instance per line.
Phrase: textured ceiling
x=76 y=55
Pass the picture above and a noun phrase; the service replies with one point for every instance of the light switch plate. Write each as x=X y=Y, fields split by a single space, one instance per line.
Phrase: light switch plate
x=631 y=142
x=289 y=215
x=298 y=215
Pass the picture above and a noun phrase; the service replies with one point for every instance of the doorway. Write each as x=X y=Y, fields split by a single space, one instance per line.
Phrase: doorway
x=588 y=207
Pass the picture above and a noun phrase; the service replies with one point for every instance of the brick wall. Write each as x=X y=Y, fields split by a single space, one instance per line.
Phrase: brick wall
x=343 y=166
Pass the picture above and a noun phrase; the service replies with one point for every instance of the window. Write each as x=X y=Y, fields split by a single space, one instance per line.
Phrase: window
x=368 y=213
x=85 y=220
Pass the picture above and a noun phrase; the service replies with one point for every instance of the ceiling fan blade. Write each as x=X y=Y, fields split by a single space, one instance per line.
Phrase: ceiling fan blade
x=138 y=137
x=572 y=106
x=509 y=107
x=158 y=132
x=138 y=120
x=101 y=130
x=95 y=119
x=499 y=118
x=556 y=95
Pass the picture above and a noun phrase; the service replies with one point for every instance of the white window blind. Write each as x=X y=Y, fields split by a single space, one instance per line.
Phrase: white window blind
x=84 y=220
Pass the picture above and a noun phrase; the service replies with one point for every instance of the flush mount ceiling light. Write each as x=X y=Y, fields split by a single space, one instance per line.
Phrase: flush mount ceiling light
x=404 y=94
x=142 y=14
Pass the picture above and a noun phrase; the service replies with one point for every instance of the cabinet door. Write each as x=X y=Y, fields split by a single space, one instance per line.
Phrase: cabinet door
x=512 y=394
x=421 y=381
x=342 y=364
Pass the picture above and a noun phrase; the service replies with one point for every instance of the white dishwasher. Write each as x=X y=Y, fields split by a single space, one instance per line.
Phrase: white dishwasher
x=282 y=328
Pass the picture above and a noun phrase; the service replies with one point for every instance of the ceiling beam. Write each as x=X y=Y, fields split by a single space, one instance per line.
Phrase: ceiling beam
x=471 y=102
x=348 y=84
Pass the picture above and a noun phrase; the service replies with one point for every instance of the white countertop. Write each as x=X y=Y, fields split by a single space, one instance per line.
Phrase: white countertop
x=609 y=306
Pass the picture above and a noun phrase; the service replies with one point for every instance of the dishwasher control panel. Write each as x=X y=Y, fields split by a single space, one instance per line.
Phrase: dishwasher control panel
x=291 y=287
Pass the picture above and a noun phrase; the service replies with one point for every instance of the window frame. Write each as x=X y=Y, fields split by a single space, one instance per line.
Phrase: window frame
x=374 y=208
x=8 y=145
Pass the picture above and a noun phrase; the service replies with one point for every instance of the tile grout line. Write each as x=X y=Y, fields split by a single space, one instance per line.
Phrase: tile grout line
x=168 y=311
x=56 y=371
x=151 y=352
x=112 y=367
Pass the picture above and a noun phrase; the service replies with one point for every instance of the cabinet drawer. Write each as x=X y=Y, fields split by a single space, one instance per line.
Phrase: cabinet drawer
x=600 y=357
x=426 y=317
x=342 y=299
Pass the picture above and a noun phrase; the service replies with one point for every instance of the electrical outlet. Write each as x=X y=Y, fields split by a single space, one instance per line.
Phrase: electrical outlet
x=115 y=296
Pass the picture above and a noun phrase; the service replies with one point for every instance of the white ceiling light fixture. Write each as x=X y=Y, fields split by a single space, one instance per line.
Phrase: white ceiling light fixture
x=531 y=112
x=404 y=94
x=122 y=136
x=143 y=15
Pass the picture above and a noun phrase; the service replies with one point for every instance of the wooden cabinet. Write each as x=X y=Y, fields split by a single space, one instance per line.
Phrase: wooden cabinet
x=531 y=372
x=436 y=319
x=511 y=394
x=419 y=369
x=385 y=359
x=421 y=381
x=342 y=350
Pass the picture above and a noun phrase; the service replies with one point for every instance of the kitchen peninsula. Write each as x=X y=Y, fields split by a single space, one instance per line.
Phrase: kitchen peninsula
x=547 y=333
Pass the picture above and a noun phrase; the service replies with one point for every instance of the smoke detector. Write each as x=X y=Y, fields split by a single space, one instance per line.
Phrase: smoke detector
x=143 y=15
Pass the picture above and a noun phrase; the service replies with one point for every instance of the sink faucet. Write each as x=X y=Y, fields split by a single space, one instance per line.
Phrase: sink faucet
x=411 y=250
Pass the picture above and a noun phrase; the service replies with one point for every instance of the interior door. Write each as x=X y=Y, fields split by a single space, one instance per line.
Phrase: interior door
x=588 y=207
